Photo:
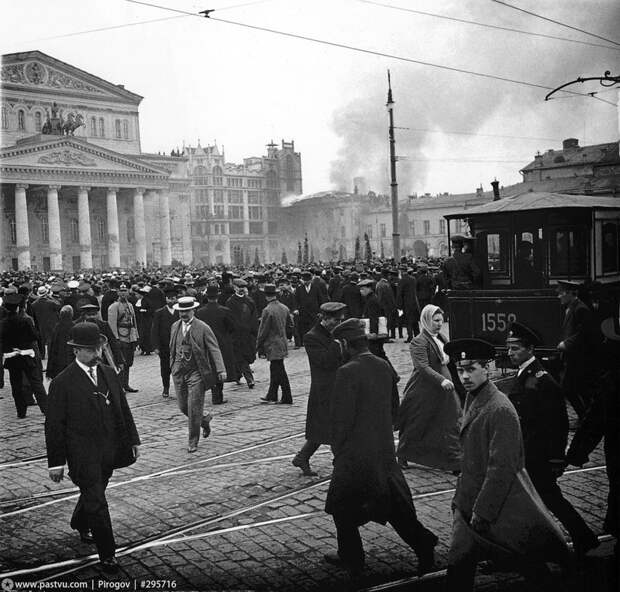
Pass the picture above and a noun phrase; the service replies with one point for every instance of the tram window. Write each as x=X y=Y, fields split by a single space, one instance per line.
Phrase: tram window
x=496 y=253
x=610 y=252
x=569 y=252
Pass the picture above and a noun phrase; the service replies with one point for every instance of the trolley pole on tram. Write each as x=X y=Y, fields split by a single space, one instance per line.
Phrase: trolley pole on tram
x=393 y=183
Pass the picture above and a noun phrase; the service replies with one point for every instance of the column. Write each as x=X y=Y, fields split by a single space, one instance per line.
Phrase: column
x=4 y=266
x=114 y=251
x=86 y=253
x=21 y=227
x=164 y=228
x=139 y=226
x=53 y=222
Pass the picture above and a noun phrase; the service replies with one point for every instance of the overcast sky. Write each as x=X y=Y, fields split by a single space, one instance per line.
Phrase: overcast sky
x=215 y=81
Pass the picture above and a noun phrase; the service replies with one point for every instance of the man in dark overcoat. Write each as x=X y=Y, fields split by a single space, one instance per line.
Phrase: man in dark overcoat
x=387 y=299
x=222 y=323
x=46 y=311
x=163 y=319
x=577 y=348
x=367 y=484
x=324 y=357
x=336 y=284
x=89 y=428
x=271 y=342
x=407 y=301
x=246 y=327
x=309 y=298
x=351 y=297
x=539 y=402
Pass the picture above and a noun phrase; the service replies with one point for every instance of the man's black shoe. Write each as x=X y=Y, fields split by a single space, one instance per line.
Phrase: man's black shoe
x=128 y=389
x=304 y=465
x=109 y=565
x=86 y=537
x=206 y=426
x=219 y=402
x=165 y=394
x=285 y=402
x=251 y=385
x=334 y=559
x=267 y=400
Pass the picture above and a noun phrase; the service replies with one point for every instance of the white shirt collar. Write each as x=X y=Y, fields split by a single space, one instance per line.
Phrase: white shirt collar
x=85 y=367
x=525 y=365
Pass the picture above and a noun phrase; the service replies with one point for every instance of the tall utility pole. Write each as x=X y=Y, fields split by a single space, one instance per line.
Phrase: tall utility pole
x=393 y=183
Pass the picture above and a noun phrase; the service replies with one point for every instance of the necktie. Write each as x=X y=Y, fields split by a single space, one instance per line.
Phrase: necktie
x=93 y=374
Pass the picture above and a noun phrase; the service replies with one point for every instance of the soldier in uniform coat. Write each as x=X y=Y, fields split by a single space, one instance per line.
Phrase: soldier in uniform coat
x=89 y=427
x=367 y=484
x=246 y=326
x=309 y=298
x=163 y=319
x=497 y=512
x=539 y=402
x=222 y=323
x=325 y=355
x=276 y=324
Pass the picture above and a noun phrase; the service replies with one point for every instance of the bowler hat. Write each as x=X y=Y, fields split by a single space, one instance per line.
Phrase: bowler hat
x=212 y=290
x=469 y=349
x=12 y=300
x=270 y=290
x=86 y=335
x=350 y=330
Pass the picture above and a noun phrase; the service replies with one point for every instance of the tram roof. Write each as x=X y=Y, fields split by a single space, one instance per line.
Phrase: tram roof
x=539 y=200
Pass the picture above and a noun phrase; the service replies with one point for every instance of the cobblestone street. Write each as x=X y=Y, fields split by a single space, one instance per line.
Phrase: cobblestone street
x=234 y=516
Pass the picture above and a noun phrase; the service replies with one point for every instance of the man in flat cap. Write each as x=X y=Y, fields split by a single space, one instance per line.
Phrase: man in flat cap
x=497 y=512
x=325 y=355
x=367 y=484
x=539 y=402
x=163 y=319
x=276 y=325
x=576 y=348
x=196 y=365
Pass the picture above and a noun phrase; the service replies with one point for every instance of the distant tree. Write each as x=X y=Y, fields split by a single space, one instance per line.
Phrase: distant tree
x=284 y=260
x=358 y=249
x=311 y=254
x=299 y=255
x=382 y=252
x=256 y=259
x=367 y=249
x=306 y=251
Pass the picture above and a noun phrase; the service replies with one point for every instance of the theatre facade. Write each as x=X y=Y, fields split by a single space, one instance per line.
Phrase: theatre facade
x=76 y=191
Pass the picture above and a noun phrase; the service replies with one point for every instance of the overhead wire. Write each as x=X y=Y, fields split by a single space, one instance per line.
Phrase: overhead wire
x=367 y=51
x=487 y=25
x=435 y=131
x=550 y=20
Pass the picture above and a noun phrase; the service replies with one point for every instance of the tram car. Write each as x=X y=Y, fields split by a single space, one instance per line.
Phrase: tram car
x=523 y=245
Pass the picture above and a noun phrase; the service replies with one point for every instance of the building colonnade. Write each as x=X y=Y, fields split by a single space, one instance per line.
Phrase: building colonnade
x=22 y=236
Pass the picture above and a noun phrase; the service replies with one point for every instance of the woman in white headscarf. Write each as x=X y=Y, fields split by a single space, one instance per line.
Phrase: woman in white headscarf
x=430 y=413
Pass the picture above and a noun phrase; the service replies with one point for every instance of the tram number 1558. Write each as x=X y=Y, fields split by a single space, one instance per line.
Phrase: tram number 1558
x=497 y=321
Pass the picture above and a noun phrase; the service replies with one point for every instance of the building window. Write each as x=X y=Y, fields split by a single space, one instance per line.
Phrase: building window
x=75 y=231
x=255 y=212
x=235 y=212
x=125 y=129
x=217 y=175
x=93 y=126
x=45 y=230
x=412 y=228
x=5 y=118
x=256 y=228
x=272 y=227
x=254 y=197
x=442 y=226
x=271 y=179
x=255 y=183
x=427 y=226
x=290 y=173
x=235 y=196
x=101 y=127
x=569 y=252
x=131 y=233
x=218 y=195
x=38 y=124
x=117 y=128
x=12 y=231
x=100 y=229
x=610 y=252
x=234 y=182
x=382 y=230
x=218 y=211
x=236 y=228
x=202 y=212
x=497 y=248
x=21 y=120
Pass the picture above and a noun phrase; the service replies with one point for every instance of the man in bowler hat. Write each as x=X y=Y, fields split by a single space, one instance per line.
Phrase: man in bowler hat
x=89 y=428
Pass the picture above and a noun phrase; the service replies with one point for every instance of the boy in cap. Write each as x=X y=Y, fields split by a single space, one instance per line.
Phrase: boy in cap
x=497 y=513
x=367 y=484
x=539 y=402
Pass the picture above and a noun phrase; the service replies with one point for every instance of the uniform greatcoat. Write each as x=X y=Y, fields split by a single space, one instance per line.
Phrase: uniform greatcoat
x=324 y=357
x=495 y=486
x=429 y=418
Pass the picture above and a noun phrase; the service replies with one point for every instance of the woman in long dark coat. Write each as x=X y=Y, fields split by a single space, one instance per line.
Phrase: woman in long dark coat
x=60 y=354
x=430 y=413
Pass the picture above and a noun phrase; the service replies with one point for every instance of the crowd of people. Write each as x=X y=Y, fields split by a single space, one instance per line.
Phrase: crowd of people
x=208 y=326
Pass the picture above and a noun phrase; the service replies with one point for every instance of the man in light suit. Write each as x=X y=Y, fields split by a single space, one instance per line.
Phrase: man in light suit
x=497 y=512
x=196 y=364
x=89 y=427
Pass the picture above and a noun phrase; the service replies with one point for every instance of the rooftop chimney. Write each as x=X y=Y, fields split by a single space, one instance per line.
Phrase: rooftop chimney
x=495 y=185
x=570 y=144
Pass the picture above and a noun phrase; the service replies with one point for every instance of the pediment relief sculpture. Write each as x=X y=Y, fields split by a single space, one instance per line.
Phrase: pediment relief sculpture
x=67 y=158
